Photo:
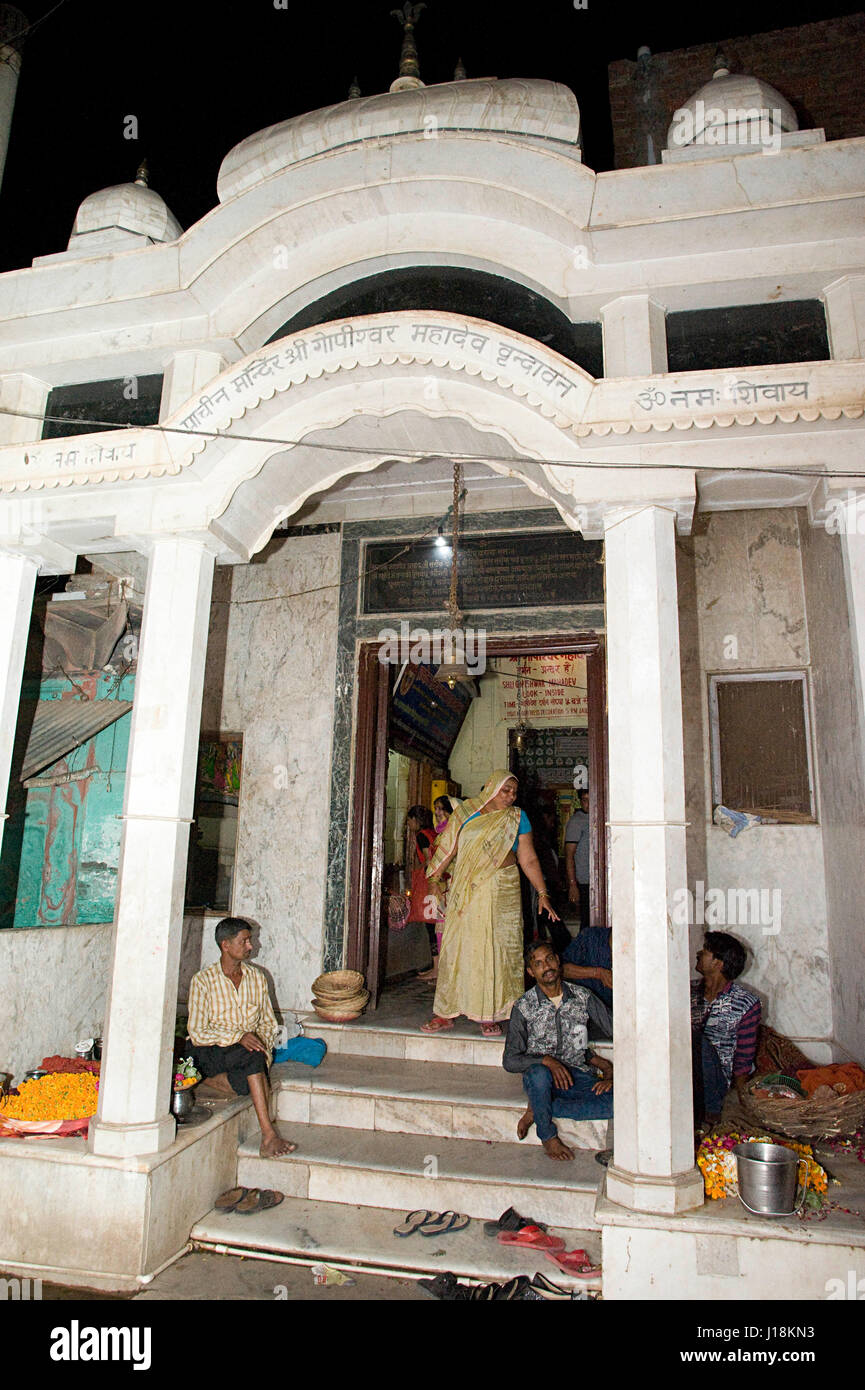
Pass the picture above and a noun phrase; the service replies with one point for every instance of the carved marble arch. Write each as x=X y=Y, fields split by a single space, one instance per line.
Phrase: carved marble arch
x=512 y=405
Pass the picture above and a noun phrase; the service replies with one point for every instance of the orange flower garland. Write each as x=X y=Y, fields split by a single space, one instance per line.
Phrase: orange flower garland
x=58 y=1096
x=717 y=1162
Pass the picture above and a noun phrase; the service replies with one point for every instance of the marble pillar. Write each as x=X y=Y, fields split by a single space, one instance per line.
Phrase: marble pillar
x=135 y=1088
x=852 y=534
x=635 y=336
x=22 y=407
x=185 y=373
x=653 y=1164
x=17 y=583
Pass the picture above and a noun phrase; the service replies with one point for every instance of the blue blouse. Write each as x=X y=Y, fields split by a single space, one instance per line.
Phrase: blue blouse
x=524 y=827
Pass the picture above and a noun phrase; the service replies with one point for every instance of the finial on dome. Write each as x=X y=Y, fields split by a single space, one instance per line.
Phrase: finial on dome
x=142 y=174
x=721 y=67
x=354 y=90
x=409 y=70
x=460 y=73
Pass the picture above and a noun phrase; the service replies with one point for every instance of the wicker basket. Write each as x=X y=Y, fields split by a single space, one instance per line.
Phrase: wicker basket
x=807 y=1119
x=338 y=984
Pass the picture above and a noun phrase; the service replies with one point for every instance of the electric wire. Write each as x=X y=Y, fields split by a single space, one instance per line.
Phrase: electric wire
x=450 y=456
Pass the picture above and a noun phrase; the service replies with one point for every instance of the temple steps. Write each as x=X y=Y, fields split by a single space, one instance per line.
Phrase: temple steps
x=393 y=1121
x=442 y=1099
x=361 y=1239
x=409 y=1171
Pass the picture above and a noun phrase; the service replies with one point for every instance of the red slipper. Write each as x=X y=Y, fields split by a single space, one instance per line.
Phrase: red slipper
x=574 y=1262
x=437 y=1025
x=532 y=1237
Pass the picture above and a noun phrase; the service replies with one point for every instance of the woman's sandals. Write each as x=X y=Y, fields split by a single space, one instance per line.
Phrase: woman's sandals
x=431 y=1223
x=247 y=1200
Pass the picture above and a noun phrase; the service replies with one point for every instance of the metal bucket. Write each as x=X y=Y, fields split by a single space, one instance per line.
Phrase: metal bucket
x=767 y=1178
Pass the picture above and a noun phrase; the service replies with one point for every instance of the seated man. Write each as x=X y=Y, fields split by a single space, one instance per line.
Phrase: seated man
x=724 y=1021
x=232 y=1028
x=547 y=1042
x=588 y=961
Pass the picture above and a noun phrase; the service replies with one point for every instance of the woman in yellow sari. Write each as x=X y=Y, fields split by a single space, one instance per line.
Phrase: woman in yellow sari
x=481 y=959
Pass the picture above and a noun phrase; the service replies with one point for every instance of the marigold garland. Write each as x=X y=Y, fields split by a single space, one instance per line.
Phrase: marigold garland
x=717 y=1162
x=58 y=1096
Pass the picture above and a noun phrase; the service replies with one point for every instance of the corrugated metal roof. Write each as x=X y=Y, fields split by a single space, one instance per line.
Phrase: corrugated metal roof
x=61 y=725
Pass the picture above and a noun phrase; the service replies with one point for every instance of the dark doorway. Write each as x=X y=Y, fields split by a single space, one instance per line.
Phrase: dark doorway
x=367 y=915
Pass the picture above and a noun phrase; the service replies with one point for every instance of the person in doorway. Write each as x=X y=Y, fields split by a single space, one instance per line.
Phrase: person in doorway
x=588 y=961
x=548 y=1042
x=725 y=1017
x=442 y=812
x=232 y=1028
x=546 y=846
x=577 y=858
x=487 y=841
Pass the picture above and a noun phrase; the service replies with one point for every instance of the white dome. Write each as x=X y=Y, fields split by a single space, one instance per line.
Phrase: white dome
x=731 y=107
x=131 y=207
x=514 y=106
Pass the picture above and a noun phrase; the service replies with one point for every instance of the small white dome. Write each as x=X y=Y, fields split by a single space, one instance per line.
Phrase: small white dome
x=131 y=207
x=731 y=107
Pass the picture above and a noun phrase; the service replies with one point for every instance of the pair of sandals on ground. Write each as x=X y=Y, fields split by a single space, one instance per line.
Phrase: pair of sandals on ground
x=510 y=1229
x=247 y=1200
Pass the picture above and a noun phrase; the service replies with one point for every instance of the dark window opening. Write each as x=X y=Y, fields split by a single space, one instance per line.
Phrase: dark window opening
x=126 y=401
x=747 y=335
x=455 y=290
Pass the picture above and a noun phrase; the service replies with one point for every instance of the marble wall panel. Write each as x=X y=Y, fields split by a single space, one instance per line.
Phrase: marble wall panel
x=272 y=662
x=749 y=598
x=55 y=981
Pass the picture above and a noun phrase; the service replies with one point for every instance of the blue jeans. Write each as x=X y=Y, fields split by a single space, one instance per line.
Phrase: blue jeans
x=710 y=1083
x=576 y=1103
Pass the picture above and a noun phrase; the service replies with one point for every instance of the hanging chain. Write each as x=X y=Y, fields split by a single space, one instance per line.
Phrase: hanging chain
x=454 y=613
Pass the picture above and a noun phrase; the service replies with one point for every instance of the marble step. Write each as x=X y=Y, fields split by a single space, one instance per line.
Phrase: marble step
x=409 y=1171
x=366 y=1037
x=362 y=1238
x=433 y=1098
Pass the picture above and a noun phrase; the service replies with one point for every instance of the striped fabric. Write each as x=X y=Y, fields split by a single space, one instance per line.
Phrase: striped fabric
x=220 y=1014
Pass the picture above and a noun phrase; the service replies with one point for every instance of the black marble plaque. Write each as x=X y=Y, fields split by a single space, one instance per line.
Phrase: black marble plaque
x=513 y=571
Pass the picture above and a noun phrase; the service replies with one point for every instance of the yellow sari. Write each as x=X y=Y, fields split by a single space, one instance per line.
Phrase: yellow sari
x=481 y=959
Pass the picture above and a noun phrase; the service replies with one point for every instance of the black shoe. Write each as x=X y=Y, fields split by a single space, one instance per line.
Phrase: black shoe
x=510 y=1220
x=445 y=1287
x=543 y=1288
x=603 y=1157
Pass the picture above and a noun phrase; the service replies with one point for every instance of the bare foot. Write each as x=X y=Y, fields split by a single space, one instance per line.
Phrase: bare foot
x=525 y=1123
x=429 y=976
x=274 y=1146
x=554 y=1148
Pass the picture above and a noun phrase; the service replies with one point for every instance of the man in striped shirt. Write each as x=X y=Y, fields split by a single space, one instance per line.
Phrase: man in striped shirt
x=724 y=1021
x=233 y=1028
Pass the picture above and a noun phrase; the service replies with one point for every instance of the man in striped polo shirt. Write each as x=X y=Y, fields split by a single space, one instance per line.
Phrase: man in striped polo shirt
x=233 y=1028
x=724 y=1021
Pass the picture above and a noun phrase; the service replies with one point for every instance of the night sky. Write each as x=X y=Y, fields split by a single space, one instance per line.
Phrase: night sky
x=200 y=75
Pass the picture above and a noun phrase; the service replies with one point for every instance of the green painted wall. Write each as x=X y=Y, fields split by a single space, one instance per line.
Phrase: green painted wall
x=66 y=838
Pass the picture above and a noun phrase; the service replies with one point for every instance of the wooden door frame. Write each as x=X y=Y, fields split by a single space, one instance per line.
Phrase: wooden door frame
x=369 y=781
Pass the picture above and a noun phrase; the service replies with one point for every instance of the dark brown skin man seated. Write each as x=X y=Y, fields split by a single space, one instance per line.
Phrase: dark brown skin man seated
x=233 y=1028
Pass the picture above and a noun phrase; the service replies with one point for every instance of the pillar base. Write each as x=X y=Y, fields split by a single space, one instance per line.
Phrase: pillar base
x=125 y=1141
x=668 y=1196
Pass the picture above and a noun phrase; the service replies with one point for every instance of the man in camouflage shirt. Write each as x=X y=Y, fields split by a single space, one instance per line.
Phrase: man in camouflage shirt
x=548 y=1042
